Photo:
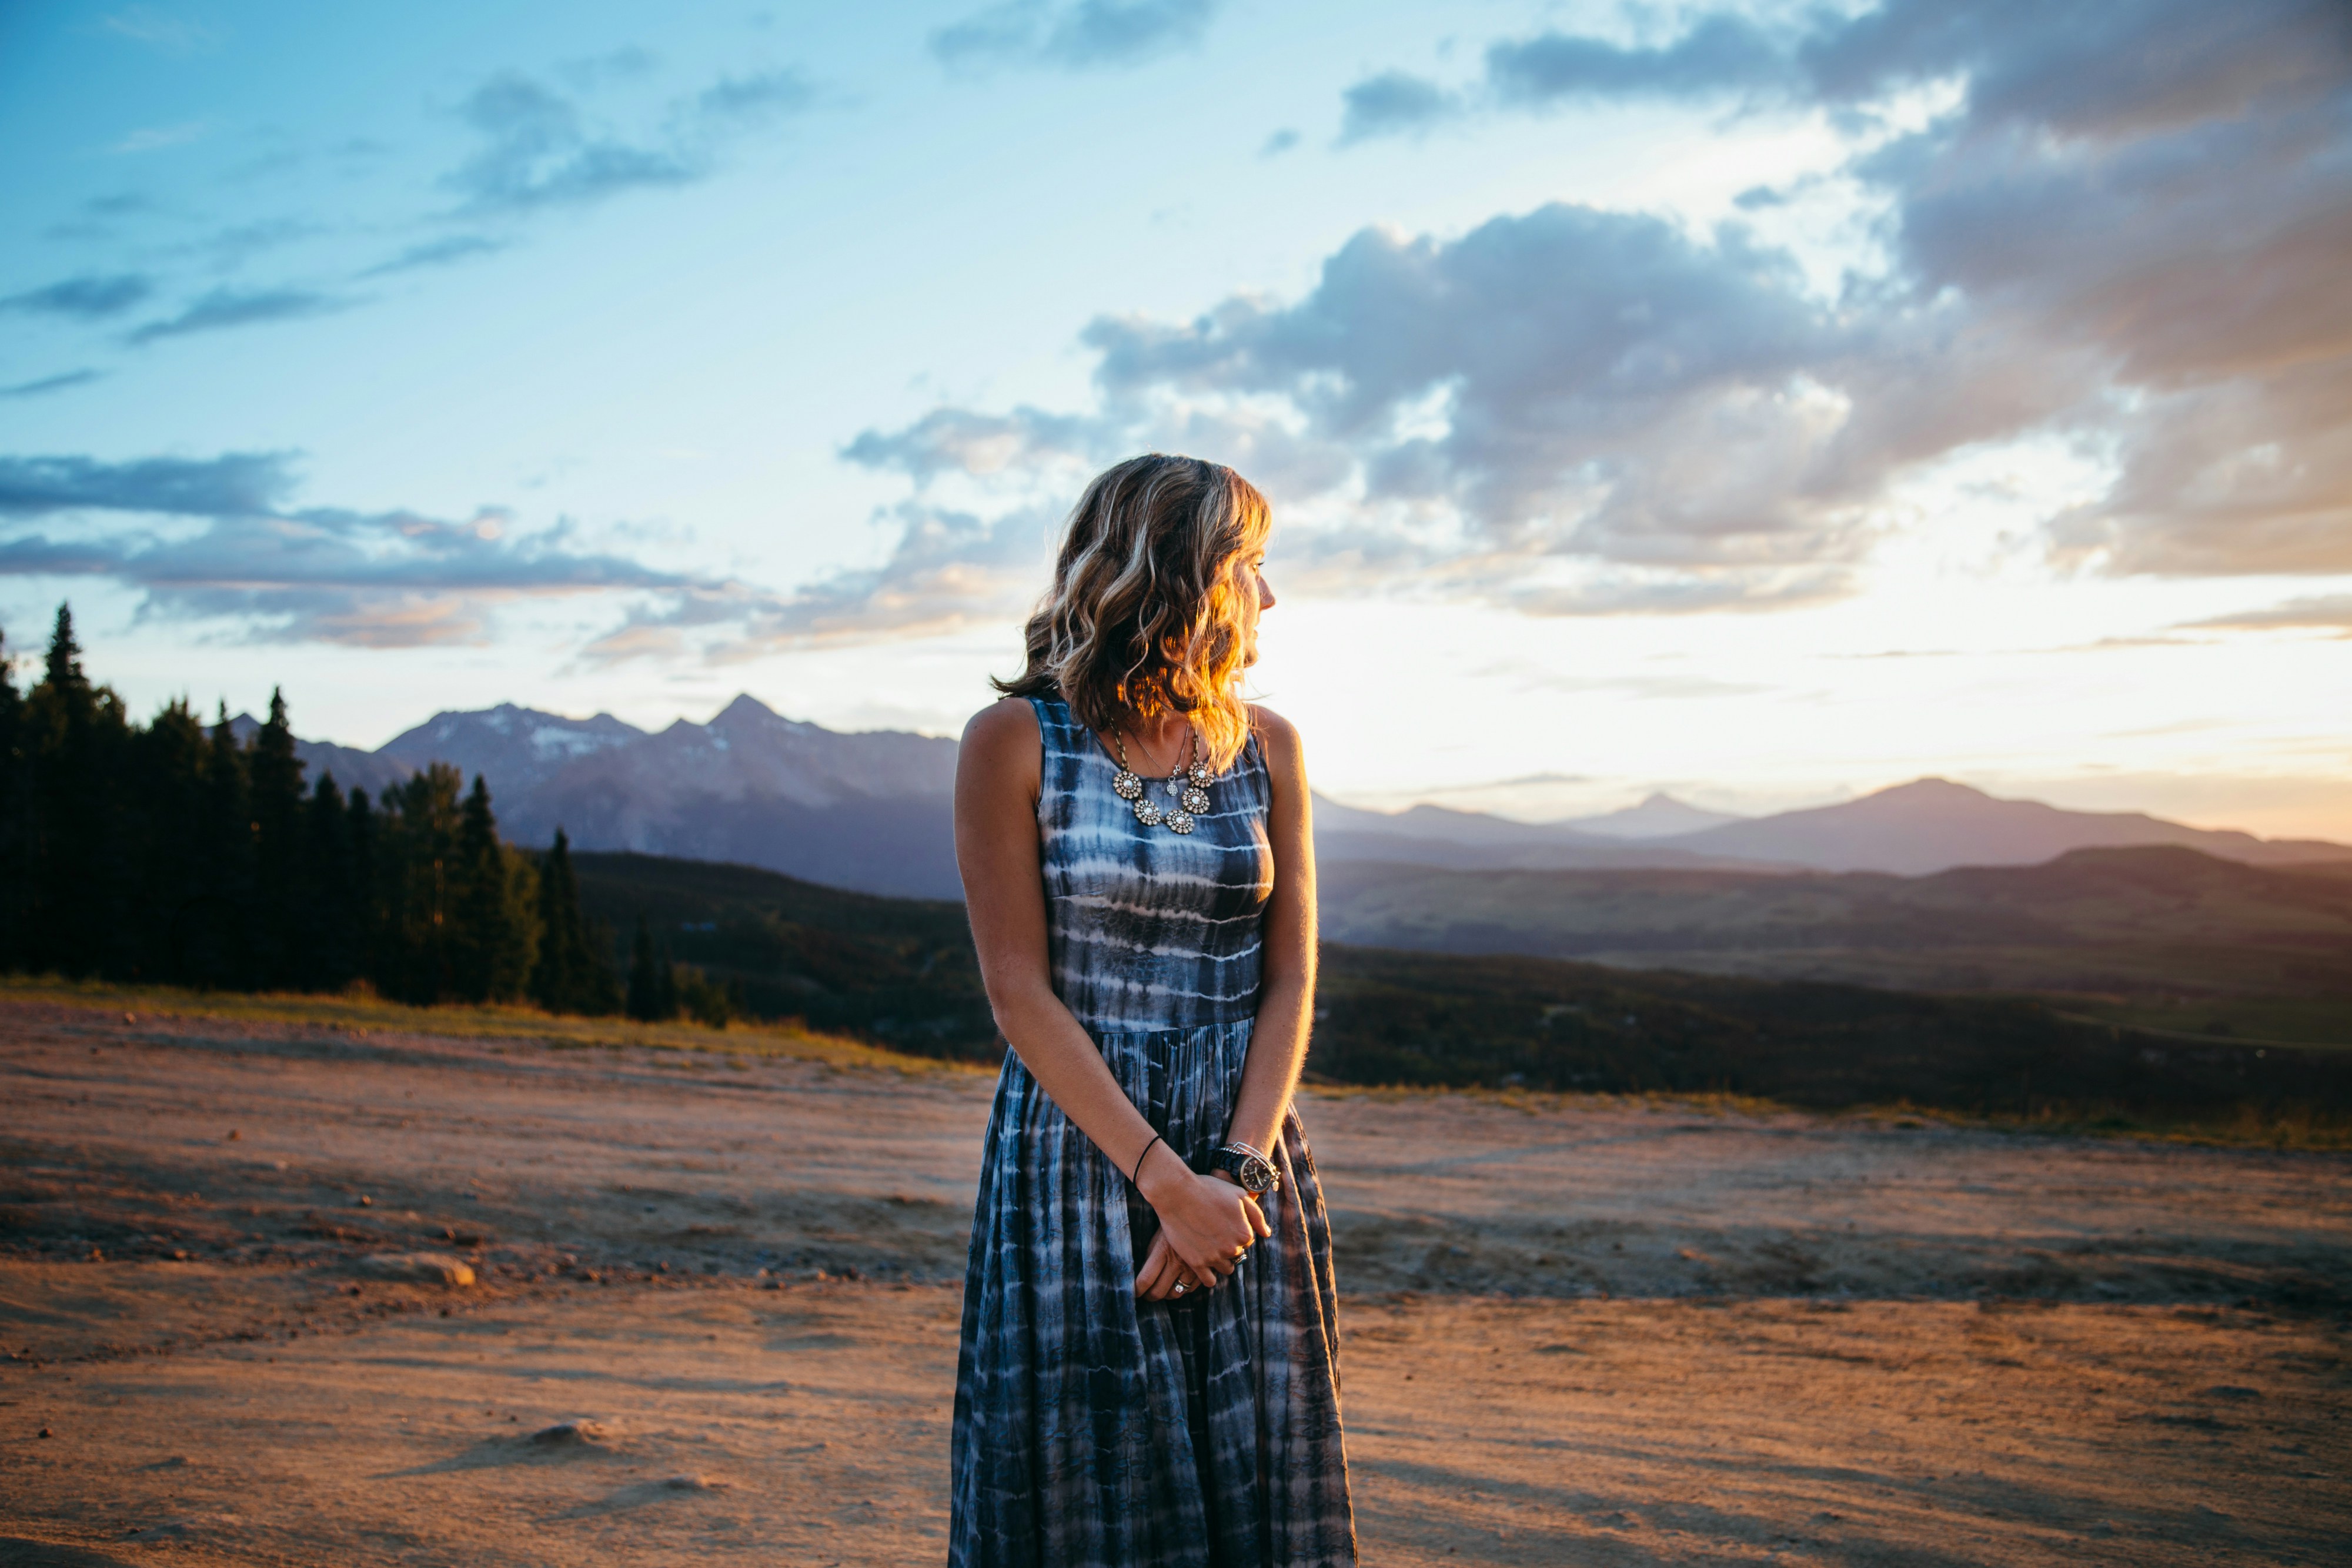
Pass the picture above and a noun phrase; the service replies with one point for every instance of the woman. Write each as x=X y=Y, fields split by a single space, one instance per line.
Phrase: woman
x=1148 y=1374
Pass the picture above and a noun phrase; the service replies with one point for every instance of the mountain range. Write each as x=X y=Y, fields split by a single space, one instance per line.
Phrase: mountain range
x=871 y=811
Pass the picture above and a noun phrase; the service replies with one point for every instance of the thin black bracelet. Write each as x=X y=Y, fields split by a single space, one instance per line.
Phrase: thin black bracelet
x=1136 y=1178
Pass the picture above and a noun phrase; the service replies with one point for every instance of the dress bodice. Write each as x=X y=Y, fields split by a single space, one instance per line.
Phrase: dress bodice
x=1149 y=929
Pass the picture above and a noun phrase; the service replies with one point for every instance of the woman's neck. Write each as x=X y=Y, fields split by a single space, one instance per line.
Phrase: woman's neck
x=1164 y=741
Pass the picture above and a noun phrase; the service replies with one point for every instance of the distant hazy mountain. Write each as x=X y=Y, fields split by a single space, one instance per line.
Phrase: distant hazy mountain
x=1473 y=840
x=866 y=811
x=1657 y=817
x=516 y=748
x=1930 y=824
x=871 y=811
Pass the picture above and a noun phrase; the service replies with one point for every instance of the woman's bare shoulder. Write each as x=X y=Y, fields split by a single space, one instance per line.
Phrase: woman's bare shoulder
x=1277 y=740
x=1007 y=726
x=1272 y=729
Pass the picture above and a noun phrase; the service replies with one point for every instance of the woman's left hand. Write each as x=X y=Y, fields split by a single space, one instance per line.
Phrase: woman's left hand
x=1162 y=1272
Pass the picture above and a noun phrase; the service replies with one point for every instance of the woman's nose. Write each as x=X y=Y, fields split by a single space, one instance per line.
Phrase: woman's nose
x=1266 y=599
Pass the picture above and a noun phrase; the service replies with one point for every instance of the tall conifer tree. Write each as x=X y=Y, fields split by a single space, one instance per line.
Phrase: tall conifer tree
x=489 y=951
x=572 y=973
x=276 y=778
x=653 y=990
x=420 y=882
x=366 y=896
x=326 y=906
x=168 y=831
x=15 y=816
x=220 y=924
x=76 y=918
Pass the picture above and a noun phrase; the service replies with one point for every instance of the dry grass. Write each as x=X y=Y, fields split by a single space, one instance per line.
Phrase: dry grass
x=359 y=1010
x=2244 y=1128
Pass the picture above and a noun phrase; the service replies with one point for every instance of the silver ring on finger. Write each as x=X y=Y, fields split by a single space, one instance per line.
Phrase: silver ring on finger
x=1181 y=1288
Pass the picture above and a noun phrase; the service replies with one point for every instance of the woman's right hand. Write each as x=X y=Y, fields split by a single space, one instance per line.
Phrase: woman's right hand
x=1209 y=1223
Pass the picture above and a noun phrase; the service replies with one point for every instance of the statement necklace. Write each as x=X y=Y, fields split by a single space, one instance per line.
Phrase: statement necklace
x=1189 y=784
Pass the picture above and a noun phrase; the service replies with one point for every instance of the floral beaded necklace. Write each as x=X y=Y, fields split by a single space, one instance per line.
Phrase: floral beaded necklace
x=1189 y=784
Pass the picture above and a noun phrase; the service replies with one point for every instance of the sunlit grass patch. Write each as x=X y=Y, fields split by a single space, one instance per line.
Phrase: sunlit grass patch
x=359 y=1012
x=2238 y=1127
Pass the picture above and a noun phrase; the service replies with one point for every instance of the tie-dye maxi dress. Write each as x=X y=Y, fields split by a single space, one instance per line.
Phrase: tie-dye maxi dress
x=1093 y=1429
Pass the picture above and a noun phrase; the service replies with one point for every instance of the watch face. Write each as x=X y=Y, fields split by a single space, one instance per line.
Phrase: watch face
x=1256 y=1175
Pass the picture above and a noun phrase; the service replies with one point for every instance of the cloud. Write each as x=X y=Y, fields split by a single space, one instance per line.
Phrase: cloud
x=2126 y=231
x=535 y=153
x=156 y=137
x=229 y=546
x=535 y=150
x=1566 y=413
x=2122 y=68
x=1088 y=34
x=958 y=441
x=1393 y=103
x=97 y=216
x=630 y=62
x=160 y=29
x=47 y=384
x=1569 y=382
x=89 y=298
x=223 y=308
x=437 y=253
x=236 y=483
x=1280 y=143
x=752 y=99
x=2327 y=612
x=949 y=568
x=1721 y=53
x=239 y=243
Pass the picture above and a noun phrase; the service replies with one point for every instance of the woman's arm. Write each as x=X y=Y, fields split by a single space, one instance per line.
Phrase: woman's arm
x=997 y=778
x=1285 y=1005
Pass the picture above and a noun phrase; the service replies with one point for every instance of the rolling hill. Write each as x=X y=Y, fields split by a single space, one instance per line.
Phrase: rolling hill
x=902 y=972
x=2150 y=923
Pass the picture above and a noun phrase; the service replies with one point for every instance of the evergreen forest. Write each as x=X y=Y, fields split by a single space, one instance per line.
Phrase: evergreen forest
x=171 y=852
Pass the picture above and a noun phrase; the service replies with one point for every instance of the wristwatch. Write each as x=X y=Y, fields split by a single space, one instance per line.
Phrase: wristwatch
x=1251 y=1170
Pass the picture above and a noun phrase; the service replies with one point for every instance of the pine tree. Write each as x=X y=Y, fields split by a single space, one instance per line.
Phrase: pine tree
x=572 y=975
x=652 y=988
x=327 y=904
x=15 y=816
x=490 y=950
x=219 y=920
x=276 y=778
x=419 y=882
x=363 y=900
x=76 y=734
x=167 y=829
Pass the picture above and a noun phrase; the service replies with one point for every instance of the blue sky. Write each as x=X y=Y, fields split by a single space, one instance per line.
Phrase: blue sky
x=1767 y=403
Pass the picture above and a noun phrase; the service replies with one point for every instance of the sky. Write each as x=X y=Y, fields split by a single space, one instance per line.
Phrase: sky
x=1764 y=403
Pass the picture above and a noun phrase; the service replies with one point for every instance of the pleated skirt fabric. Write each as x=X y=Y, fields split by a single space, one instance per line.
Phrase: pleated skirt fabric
x=1096 y=1431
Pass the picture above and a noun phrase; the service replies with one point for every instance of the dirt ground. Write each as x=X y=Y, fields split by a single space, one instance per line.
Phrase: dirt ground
x=714 y=1318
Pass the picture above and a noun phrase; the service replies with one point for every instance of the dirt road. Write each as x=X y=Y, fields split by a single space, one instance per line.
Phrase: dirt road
x=1576 y=1332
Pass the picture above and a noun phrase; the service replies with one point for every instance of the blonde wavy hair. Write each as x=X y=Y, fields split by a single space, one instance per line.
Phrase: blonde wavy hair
x=1146 y=613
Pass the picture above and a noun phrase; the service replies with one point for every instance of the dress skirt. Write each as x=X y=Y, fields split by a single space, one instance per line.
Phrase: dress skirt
x=1093 y=1429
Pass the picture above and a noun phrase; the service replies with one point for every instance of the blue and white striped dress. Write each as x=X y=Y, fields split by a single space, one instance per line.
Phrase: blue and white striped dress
x=1093 y=1429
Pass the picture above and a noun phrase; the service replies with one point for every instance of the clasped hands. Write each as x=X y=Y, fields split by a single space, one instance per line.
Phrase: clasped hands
x=1207 y=1224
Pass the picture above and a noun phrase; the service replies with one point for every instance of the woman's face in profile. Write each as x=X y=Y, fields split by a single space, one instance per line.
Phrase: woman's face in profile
x=1256 y=599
